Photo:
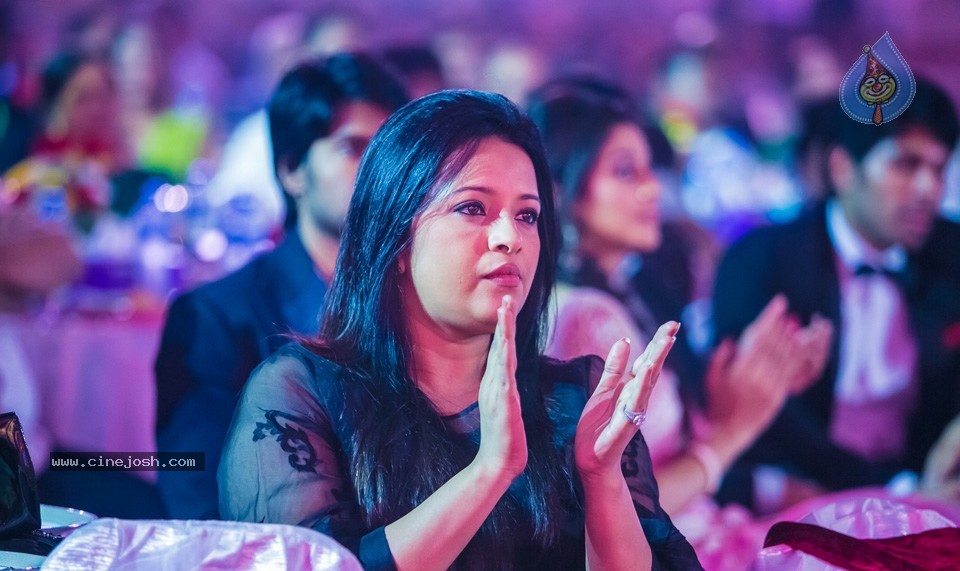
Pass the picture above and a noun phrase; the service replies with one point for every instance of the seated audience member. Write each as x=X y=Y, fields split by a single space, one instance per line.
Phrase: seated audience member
x=81 y=145
x=322 y=114
x=600 y=160
x=422 y=428
x=879 y=262
x=614 y=238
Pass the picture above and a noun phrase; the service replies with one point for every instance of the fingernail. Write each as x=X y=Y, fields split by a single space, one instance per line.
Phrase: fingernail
x=625 y=340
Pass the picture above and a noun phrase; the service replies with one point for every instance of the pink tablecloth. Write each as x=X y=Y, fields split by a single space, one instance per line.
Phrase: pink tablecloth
x=95 y=380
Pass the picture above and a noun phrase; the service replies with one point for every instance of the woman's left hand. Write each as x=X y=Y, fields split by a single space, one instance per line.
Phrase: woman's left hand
x=604 y=429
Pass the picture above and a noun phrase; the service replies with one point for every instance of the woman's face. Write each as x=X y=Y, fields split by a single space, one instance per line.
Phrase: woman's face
x=619 y=209
x=86 y=109
x=475 y=244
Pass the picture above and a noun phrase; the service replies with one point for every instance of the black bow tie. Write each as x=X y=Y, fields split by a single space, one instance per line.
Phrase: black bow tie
x=901 y=277
x=866 y=270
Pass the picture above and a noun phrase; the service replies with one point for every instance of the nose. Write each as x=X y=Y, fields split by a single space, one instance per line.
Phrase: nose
x=504 y=235
x=649 y=188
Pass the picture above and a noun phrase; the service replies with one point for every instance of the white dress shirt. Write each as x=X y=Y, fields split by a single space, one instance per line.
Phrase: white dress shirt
x=875 y=390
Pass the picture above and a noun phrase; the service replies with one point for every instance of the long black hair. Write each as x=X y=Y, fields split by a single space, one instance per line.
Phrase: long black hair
x=402 y=451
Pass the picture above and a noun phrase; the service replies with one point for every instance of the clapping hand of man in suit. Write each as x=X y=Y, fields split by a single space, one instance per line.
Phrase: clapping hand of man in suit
x=748 y=381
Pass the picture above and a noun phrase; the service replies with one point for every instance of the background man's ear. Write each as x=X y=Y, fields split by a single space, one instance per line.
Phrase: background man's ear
x=293 y=181
x=841 y=169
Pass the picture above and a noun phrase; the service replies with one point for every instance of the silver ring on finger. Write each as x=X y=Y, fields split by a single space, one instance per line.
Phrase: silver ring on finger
x=635 y=418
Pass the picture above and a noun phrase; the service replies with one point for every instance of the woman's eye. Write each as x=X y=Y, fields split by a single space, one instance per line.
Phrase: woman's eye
x=624 y=172
x=529 y=216
x=471 y=209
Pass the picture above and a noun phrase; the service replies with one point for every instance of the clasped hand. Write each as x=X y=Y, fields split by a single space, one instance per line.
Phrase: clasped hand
x=503 y=442
x=603 y=431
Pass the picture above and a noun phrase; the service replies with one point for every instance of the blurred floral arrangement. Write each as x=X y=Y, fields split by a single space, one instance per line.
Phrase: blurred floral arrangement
x=61 y=187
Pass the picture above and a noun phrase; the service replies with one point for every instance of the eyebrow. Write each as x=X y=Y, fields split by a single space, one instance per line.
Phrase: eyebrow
x=487 y=190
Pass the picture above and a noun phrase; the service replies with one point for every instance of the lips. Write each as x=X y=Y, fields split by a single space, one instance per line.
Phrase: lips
x=507 y=275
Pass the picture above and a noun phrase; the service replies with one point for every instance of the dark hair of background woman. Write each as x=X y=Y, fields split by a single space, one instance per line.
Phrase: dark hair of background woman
x=402 y=451
x=575 y=116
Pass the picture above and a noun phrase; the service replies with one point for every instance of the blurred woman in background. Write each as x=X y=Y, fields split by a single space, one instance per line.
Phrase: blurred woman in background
x=81 y=145
x=609 y=197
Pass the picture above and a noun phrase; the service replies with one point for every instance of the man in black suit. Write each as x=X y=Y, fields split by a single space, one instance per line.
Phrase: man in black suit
x=879 y=262
x=321 y=116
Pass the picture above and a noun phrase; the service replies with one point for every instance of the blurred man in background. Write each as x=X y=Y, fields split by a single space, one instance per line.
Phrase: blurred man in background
x=876 y=259
x=321 y=117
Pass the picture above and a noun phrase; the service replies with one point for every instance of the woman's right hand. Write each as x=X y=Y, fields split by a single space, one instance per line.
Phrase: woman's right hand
x=503 y=442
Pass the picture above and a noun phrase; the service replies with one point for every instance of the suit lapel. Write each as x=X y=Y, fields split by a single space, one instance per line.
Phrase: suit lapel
x=813 y=274
x=289 y=293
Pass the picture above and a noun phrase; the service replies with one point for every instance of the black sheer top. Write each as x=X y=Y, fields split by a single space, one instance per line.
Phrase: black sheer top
x=284 y=460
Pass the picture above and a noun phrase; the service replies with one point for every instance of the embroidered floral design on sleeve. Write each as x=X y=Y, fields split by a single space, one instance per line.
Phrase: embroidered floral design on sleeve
x=291 y=433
